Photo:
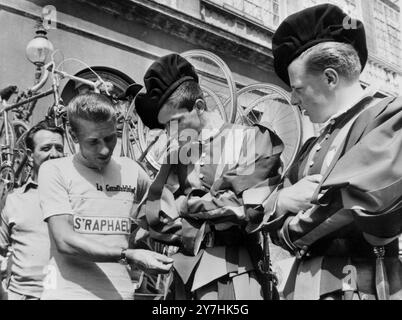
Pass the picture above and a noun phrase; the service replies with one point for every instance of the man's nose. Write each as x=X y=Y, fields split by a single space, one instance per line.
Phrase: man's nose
x=104 y=149
x=294 y=99
x=54 y=153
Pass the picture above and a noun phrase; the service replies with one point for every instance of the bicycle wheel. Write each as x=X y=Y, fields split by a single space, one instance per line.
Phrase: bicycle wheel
x=7 y=176
x=138 y=142
x=57 y=116
x=151 y=145
x=269 y=104
x=11 y=133
x=215 y=76
x=129 y=134
x=72 y=146
x=22 y=166
x=7 y=146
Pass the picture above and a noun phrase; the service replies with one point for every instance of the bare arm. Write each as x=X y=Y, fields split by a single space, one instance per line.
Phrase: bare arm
x=71 y=243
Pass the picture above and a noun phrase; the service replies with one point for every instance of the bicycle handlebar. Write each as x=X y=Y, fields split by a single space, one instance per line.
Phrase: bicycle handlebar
x=19 y=104
x=50 y=68
x=42 y=81
x=6 y=93
x=97 y=86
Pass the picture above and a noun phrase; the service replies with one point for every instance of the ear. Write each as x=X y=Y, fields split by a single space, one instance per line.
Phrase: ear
x=29 y=154
x=73 y=135
x=331 y=77
x=200 y=105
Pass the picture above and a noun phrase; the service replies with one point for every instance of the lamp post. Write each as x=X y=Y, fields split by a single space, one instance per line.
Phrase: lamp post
x=37 y=52
x=38 y=49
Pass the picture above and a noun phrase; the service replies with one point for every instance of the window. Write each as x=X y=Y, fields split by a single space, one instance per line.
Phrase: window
x=387 y=32
x=351 y=7
x=265 y=12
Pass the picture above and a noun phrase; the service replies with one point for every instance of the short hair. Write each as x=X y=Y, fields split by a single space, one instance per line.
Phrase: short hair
x=42 y=125
x=185 y=96
x=90 y=106
x=342 y=57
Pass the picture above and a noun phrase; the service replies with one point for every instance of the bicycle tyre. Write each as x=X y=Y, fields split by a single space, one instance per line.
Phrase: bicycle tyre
x=59 y=118
x=231 y=109
x=6 y=165
x=21 y=165
x=142 y=132
x=129 y=123
x=69 y=139
x=11 y=135
x=277 y=116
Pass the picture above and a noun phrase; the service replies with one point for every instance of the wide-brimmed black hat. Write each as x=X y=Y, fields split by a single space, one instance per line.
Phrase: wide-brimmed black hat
x=314 y=25
x=162 y=78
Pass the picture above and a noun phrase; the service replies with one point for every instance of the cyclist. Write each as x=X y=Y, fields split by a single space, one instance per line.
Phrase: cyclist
x=86 y=200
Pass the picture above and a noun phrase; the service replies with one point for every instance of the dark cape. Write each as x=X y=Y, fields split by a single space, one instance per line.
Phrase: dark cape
x=361 y=207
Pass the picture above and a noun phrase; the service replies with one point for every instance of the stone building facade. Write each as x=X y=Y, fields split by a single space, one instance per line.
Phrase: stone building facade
x=121 y=38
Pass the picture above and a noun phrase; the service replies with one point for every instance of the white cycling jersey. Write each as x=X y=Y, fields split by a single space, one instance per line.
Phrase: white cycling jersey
x=100 y=203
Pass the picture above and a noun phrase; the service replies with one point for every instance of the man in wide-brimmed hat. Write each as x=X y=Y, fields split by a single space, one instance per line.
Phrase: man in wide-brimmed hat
x=339 y=211
x=207 y=197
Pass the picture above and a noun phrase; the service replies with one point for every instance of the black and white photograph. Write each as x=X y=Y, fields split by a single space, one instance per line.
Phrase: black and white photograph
x=217 y=151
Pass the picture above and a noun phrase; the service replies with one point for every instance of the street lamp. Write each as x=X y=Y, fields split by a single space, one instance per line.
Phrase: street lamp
x=38 y=49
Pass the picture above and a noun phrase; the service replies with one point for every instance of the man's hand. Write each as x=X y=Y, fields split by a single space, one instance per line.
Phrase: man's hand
x=181 y=204
x=298 y=197
x=149 y=261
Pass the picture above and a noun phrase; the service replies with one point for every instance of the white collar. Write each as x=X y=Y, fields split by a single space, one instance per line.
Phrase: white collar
x=86 y=163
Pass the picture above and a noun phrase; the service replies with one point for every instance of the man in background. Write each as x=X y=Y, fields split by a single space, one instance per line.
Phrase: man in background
x=23 y=233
